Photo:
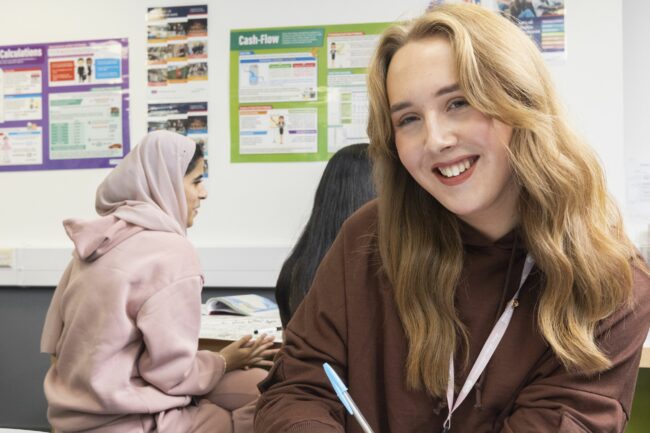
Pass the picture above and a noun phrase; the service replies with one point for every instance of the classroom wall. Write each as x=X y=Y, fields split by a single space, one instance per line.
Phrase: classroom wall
x=636 y=94
x=250 y=205
x=257 y=206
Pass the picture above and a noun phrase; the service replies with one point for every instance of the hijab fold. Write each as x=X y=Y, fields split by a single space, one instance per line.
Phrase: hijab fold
x=146 y=188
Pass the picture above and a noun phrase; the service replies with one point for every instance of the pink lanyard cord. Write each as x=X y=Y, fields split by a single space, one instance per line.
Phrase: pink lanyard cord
x=490 y=346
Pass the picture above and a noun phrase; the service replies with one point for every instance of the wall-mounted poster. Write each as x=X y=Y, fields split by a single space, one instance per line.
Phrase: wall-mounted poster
x=299 y=93
x=189 y=119
x=177 y=53
x=177 y=71
x=542 y=20
x=64 y=105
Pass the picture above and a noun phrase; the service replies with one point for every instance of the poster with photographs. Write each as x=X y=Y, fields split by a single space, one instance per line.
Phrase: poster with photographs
x=177 y=53
x=189 y=119
x=541 y=20
x=64 y=105
x=177 y=71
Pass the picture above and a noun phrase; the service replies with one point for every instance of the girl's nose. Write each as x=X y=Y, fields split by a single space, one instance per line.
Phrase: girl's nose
x=440 y=135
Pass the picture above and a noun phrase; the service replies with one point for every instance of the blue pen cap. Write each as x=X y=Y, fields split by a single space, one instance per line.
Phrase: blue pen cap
x=338 y=386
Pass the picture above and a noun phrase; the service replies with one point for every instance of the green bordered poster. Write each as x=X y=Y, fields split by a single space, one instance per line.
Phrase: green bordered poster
x=299 y=93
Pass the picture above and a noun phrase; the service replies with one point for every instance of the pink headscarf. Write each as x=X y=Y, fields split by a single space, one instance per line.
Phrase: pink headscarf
x=146 y=188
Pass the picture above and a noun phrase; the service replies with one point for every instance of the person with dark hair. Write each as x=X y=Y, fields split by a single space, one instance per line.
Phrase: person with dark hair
x=345 y=186
x=81 y=70
x=123 y=324
x=333 y=55
x=89 y=69
x=491 y=287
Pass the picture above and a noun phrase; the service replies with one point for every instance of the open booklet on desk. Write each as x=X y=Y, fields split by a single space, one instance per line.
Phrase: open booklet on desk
x=242 y=305
x=231 y=326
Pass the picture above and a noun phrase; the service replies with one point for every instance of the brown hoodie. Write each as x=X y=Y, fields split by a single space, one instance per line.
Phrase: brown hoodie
x=349 y=319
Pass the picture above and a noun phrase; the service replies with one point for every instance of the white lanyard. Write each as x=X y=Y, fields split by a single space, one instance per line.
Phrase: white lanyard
x=488 y=349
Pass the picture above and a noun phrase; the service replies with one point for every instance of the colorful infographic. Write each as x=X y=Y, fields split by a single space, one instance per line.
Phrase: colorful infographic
x=541 y=20
x=177 y=71
x=64 y=105
x=299 y=93
x=177 y=53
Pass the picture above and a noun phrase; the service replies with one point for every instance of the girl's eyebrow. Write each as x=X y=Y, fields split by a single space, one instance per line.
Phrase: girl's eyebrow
x=442 y=91
x=448 y=89
x=399 y=106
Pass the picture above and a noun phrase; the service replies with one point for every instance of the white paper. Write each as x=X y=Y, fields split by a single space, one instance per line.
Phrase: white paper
x=232 y=328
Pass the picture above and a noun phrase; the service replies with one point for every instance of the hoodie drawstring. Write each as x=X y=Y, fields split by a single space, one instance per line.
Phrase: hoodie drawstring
x=502 y=304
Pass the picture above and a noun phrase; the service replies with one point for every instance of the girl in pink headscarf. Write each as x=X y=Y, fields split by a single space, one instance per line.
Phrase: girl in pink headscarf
x=124 y=321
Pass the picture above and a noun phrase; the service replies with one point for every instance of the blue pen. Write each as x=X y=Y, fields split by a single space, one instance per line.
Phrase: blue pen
x=342 y=394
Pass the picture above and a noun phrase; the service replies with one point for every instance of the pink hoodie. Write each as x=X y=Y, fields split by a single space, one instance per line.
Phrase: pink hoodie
x=124 y=320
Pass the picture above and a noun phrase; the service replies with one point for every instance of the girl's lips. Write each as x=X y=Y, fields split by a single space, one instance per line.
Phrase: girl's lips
x=455 y=180
x=472 y=158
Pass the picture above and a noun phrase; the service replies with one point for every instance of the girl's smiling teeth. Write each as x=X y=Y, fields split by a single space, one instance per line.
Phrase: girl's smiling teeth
x=454 y=170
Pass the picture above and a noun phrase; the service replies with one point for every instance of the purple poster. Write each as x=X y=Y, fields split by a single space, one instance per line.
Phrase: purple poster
x=64 y=105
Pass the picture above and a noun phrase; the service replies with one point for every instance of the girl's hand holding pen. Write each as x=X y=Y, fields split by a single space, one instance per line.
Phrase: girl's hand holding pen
x=247 y=352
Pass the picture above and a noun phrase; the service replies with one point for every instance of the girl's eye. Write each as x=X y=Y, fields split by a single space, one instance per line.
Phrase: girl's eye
x=457 y=103
x=406 y=120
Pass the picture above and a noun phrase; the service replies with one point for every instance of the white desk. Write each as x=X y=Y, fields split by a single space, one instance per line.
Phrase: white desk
x=13 y=430
x=220 y=329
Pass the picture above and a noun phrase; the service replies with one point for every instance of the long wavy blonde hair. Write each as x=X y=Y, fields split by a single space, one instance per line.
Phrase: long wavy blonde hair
x=569 y=222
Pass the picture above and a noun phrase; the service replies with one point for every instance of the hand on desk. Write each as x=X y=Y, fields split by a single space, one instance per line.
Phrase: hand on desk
x=247 y=352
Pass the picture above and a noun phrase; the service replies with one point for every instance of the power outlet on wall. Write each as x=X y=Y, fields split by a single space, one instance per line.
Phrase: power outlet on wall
x=7 y=257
